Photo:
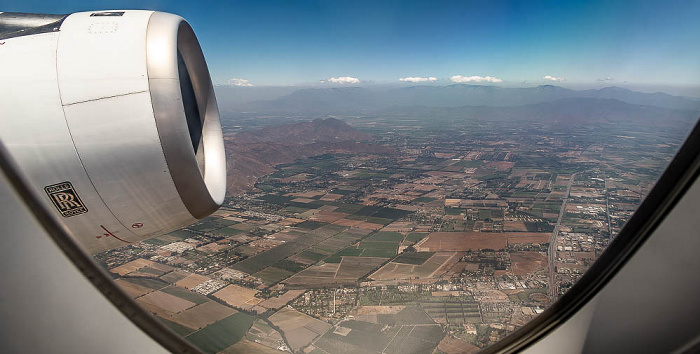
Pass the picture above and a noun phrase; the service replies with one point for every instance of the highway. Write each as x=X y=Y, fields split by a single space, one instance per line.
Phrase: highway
x=551 y=253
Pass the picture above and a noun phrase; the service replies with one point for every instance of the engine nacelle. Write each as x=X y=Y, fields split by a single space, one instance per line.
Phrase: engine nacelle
x=113 y=119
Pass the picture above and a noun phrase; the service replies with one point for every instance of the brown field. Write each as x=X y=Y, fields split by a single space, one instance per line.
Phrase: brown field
x=238 y=296
x=212 y=247
x=331 y=196
x=166 y=303
x=426 y=270
x=539 y=297
x=346 y=272
x=298 y=328
x=347 y=222
x=584 y=255
x=514 y=226
x=245 y=346
x=400 y=226
x=202 y=315
x=279 y=301
x=369 y=313
x=191 y=281
x=132 y=289
x=462 y=241
x=451 y=345
x=314 y=275
x=290 y=221
x=161 y=267
x=131 y=266
x=523 y=263
x=528 y=237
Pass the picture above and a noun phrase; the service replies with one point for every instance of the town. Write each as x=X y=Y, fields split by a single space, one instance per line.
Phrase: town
x=460 y=235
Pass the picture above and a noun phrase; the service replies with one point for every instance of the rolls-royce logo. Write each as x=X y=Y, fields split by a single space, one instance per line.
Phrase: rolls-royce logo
x=66 y=199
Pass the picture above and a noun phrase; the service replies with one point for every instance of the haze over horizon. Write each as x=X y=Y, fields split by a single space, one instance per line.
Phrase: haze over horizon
x=647 y=46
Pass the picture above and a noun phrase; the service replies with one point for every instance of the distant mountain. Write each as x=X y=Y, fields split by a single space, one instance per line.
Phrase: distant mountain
x=572 y=111
x=319 y=130
x=358 y=99
x=253 y=154
x=320 y=100
x=231 y=98
x=658 y=99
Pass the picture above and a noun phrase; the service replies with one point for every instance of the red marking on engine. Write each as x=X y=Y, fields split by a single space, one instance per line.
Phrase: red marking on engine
x=137 y=225
x=109 y=233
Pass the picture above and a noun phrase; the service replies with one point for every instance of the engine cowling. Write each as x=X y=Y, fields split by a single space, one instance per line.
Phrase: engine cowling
x=112 y=117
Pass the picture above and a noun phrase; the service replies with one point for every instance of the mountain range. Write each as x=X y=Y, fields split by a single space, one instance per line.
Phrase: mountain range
x=360 y=99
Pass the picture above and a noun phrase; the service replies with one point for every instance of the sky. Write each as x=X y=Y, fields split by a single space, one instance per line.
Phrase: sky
x=508 y=43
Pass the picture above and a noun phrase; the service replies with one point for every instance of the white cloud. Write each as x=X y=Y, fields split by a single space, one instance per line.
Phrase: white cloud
x=343 y=80
x=239 y=82
x=461 y=79
x=553 y=78
x=606 y=79
x=418 y=79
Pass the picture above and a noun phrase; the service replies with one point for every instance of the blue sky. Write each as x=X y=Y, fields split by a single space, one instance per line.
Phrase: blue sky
x=519 y=43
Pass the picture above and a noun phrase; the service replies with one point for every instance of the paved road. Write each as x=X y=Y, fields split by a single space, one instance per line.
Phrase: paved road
x=553 y=241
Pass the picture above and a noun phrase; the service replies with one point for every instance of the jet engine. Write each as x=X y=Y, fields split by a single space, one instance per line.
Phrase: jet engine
x=112 y=118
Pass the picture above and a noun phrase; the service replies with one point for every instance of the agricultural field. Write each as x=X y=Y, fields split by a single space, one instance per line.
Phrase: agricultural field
x=462 y=241
x=191 y=281
x=347 y=271
x=523 y=263
x=202 y=315
x=263 y=334
x=308 y=239
x=415 y=258
x=434 y=266
x=164 y=304
x=131 y=266
x=245 y=346
x=364 y=337
x=298 y=328
x=221 y=334
x=452 y=311
x=238 y=296
x=279 y=301
x=272 y=275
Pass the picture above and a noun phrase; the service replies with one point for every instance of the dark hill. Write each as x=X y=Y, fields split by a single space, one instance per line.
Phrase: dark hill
x=253 y=154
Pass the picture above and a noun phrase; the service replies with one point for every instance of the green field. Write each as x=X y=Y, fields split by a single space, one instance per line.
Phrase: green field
x=386 y=236
x=416 y=236
x=303 y=242
x=314 y=256
x=176 y=327
x=310 y=224
x=150 y=283
x=413 y=257
x=211 y=223
x=271 y=275
x=289 y=266
x=181 y=234
x=185 y=294
x=227 y=231
x=221 y=334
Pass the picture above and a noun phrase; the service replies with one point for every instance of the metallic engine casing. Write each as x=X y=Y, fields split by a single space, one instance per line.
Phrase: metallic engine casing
x=99 y=104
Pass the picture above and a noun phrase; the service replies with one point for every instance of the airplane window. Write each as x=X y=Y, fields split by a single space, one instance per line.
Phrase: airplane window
x=414 y=178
